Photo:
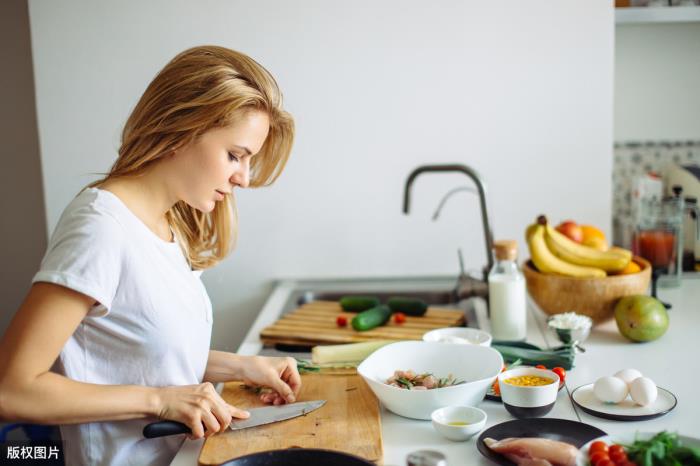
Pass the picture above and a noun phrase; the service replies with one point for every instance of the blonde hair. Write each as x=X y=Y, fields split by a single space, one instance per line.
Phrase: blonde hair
x=200 y=89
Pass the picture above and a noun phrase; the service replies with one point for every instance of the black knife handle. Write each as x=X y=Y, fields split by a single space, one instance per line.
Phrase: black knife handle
x=165 y=428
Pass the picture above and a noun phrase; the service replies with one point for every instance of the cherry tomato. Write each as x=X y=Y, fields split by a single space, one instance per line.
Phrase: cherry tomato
x=399 y=317
x=540 y=366
x=618 y=457
x=560 y=372
x=598 y=445
x=615 y=448
x=605 y=463
x=628 y=463
x=598 y=457
x=341 y=321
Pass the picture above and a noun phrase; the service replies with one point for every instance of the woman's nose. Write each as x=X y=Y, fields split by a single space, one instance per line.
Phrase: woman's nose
x=241 y=177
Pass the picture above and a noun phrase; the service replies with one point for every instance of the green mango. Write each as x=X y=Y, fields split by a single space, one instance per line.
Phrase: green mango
x=641 y=318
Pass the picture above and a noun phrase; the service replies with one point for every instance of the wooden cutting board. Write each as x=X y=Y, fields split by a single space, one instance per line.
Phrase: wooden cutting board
x=349 y=422
x=314 y=324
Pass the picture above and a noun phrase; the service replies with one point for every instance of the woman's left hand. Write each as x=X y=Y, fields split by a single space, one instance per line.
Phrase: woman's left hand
x=280 y=374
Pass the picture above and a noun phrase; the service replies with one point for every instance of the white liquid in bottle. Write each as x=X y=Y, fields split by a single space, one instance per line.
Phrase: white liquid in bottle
x=507 y=302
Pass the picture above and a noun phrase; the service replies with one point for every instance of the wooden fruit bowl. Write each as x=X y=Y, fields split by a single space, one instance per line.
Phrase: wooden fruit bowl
x=593 y=297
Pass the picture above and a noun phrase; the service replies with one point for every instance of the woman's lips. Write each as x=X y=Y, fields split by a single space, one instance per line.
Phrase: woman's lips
x=219 y=195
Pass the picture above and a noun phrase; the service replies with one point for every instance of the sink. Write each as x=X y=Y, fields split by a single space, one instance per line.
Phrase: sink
x=437 y=291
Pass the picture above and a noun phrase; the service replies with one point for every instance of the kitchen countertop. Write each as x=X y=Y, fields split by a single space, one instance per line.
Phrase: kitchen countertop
x=669 y=361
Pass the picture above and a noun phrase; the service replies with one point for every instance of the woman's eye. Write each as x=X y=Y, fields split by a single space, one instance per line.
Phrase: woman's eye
x=232 y=157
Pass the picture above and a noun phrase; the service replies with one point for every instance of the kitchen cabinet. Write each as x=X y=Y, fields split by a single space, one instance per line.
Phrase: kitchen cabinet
x=669 y=361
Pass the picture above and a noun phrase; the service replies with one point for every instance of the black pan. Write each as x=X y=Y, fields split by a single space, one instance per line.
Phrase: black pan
x=563 y=430
x=299 y=457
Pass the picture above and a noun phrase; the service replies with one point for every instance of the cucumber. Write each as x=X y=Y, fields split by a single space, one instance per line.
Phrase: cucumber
x=358 y=303
x=371 y=318
x=409 y=306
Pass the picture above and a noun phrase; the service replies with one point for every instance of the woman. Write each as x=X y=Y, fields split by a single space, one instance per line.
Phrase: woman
x=115 y=330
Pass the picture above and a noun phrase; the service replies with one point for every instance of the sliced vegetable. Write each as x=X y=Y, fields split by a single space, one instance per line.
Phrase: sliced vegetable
x=358 y=303
x=371 y=318
x=352 y=352
x=409 y=306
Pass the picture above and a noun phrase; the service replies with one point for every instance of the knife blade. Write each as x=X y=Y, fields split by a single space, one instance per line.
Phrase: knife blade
x=258 y=417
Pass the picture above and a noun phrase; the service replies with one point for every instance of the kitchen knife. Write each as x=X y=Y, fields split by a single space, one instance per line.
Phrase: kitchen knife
x=258 y=417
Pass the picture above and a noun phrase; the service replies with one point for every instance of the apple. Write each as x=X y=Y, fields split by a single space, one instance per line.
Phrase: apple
x=571 y=230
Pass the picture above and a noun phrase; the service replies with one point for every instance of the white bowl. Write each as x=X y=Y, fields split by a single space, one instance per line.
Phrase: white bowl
x=526 y=402
x=444 y=420
x=463 y=335
x=477 y=365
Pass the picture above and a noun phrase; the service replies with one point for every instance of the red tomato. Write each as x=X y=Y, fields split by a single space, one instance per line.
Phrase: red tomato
x=560 y=372
x=598 y=445
x=598 y=457
x=615 y=448
x=399 y=317
x=628 y=463
x=540 y=366
x=604 y=463
x=618 y=457
x=341 y=321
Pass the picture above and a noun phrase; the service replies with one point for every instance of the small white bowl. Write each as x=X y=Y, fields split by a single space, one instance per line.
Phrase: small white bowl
x=526 y=402
x=464 y=335
x=474 y=420
x=566 y=335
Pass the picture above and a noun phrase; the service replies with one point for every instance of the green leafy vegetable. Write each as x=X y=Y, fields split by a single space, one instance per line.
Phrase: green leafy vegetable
x=663 y=449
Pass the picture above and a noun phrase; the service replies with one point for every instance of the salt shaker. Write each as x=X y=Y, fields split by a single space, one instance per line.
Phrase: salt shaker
x=426 y=458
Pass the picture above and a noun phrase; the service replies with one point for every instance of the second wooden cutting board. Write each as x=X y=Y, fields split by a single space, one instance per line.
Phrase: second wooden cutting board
x=348 y=422
x=315 y=324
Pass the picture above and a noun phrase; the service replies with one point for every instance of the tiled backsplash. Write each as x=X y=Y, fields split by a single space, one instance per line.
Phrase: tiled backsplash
x=633 y=160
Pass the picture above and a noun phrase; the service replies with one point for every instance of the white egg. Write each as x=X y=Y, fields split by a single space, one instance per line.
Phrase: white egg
x=610 y=389
x=628 y=375
x=643 y=391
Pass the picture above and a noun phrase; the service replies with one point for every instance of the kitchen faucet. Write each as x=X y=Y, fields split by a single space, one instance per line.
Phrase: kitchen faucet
x=467 y=285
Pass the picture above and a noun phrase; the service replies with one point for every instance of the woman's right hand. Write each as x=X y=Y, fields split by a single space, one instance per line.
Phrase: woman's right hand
x=199 y=406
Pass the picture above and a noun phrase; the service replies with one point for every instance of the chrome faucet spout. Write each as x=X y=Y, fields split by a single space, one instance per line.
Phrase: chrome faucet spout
x=481 y=190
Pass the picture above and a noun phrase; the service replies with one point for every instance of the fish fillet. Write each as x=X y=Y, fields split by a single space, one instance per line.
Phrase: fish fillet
x=534 y=451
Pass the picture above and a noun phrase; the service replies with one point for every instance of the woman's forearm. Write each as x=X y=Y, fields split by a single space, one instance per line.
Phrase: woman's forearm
x=224 y=367
x=54 y=399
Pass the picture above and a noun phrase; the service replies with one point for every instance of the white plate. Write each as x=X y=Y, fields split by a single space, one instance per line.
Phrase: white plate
x=626 y=410
x=627 y=439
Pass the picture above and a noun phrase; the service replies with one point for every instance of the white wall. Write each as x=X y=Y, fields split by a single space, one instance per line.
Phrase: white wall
x=522 y=91
x=657 y=67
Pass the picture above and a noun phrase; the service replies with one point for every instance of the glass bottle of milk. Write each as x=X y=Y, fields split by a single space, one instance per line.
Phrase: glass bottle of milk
x=507 y=301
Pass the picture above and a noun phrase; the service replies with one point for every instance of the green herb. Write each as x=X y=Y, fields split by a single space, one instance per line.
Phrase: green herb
x=663 y=449
x=305 y=366
x=405 y=382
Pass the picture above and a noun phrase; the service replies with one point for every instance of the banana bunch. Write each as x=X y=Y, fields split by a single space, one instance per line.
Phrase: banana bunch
x=552 y=252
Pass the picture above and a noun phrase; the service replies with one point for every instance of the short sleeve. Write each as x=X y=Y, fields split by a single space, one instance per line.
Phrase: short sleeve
x=85 y=254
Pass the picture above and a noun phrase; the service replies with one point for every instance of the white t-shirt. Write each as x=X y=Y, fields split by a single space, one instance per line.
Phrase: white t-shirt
x=152 y=325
